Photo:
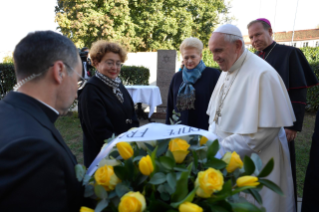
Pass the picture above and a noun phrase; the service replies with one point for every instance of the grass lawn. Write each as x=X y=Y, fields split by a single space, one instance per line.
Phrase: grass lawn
x=71 y=131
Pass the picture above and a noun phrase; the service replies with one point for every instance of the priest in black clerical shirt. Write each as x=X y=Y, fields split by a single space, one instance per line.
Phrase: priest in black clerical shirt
x=294 y=70
x=36 y=166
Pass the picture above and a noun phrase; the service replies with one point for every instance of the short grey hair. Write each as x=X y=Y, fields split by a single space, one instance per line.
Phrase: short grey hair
x=192 y=43
x=36 y=52
x=233 y=38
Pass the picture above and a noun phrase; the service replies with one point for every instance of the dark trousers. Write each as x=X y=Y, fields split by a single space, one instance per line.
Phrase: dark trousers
x=292 y=151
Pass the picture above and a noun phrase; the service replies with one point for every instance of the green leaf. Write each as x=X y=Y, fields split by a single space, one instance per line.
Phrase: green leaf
x=245 y=207
x=129 y=166
x=122 y=189
x=256 y=195
x=212 y=150
x=240 y=189
x=188 y=198
x=153 y=157
x=158 y=178
x=80 y=172
x=258 y=163
x=165 y=196
x=182 y=186
x=169 y=154
x=101 y=205
x=195 y=160
x=137 y=158
x=150 y=147
x=100 y=192
x=86 y=179
x=162 y=147
x=121 y=172
x=249 y=166
x=267 y=169
x=141 y=179
x=180 y=169
x=271 y=186
x=168 y=188
x=88 y=190
x=215 y=163
x=167 y=162
x=223 y=194
x=217 y=208
x=171 y=180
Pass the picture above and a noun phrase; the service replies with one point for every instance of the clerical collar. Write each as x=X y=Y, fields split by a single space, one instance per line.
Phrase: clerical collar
x=238 y=62
x=269 y=47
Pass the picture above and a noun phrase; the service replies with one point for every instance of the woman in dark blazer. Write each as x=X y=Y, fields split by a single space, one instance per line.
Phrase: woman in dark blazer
x=191 y=88
x=105 y=106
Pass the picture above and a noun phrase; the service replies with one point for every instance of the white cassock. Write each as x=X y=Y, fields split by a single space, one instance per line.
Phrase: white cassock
x=255 y=108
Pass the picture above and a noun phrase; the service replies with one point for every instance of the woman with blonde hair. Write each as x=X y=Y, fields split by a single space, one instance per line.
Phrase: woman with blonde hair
x=105 y=106
x=191 y=88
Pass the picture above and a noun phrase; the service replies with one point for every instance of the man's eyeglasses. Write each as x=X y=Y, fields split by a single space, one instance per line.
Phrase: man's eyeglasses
x=81 y=82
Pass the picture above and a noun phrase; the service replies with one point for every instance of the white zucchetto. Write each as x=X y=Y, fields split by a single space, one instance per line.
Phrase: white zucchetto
x=229 y=29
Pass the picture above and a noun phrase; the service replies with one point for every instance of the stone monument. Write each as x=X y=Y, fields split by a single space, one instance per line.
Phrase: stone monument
x=166 y=66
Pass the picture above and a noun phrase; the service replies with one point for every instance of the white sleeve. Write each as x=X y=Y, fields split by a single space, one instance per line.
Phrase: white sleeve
x=246 y=144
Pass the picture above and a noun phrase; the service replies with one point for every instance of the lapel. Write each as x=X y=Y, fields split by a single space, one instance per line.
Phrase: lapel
x=38 y=111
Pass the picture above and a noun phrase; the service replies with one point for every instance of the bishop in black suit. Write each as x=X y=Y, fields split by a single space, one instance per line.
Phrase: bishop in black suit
x=36 y=166
x=295 y=71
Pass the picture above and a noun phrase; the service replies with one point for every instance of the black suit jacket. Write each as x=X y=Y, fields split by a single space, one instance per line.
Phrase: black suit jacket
x=36 y=166
x=310 y=200
x=102 y=115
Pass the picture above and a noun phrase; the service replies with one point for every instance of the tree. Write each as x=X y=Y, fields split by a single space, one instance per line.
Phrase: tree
x=140 y=25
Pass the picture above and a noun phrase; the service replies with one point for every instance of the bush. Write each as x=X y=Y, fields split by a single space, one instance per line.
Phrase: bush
x=208 y=59
x=7 y=78
x=135 y=75
x=313 y=92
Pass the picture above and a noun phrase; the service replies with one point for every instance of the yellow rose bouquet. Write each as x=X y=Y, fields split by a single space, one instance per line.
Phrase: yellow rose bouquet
x=176 y=174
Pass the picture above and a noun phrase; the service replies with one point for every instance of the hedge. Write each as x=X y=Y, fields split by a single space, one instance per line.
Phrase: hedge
x=313 y=92
x=7 y=78
x=135 y=75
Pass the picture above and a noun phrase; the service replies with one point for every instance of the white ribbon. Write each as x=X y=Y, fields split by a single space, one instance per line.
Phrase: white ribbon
x=148 y=132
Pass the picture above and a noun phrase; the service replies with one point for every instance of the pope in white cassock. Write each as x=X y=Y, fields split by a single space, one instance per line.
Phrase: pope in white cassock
x=248 y=109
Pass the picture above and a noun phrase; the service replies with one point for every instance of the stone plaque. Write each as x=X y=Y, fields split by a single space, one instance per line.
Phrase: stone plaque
x=166 y=60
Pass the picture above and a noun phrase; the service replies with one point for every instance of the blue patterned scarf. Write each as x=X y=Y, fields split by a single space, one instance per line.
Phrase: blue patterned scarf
x=186 y=93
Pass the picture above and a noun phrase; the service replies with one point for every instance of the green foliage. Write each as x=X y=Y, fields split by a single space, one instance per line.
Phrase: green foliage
x=208 y=59
x=135 y=75
x=8 y=58
x=7 y=78
x=139 y=25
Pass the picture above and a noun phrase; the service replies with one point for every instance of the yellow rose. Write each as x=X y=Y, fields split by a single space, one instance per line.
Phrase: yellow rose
x=203 y=140
x=189 y=207
x=247 y=181
x=179 y=148
x=146 y=166
x=208 y=182
x=125 y=150
x=85 y=209
x=106 y=177
x=132 y=202
x=233 y=161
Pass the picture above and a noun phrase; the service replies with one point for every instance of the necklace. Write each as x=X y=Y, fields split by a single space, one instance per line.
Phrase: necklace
x=270 y=51
x=218 y=112
x=25 y=80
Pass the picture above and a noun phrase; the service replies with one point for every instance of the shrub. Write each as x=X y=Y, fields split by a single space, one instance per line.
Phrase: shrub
x=7 y=78
x=313 y=92
x=135 y=75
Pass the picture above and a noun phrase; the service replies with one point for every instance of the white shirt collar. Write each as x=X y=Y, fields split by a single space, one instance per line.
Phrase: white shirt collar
x=49 y=107
x=238 y=62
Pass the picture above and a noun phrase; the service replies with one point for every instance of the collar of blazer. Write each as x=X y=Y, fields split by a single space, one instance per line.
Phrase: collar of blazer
x=39 y=112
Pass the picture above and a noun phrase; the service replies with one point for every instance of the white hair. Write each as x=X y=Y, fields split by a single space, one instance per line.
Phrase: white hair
x=233 y=38
x=192 y=43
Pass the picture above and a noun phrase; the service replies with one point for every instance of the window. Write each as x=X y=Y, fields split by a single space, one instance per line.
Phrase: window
x=294 y=45
x=305 y=44
x=317 y=44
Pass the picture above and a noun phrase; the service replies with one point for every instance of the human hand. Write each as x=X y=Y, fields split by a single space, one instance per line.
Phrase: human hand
x=290 y=134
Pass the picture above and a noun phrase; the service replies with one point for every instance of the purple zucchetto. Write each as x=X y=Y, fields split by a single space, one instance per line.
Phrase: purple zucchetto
x=264 y=20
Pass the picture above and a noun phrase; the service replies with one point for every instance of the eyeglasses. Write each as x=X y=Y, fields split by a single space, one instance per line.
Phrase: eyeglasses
x=111 y=64
x=81 y=82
